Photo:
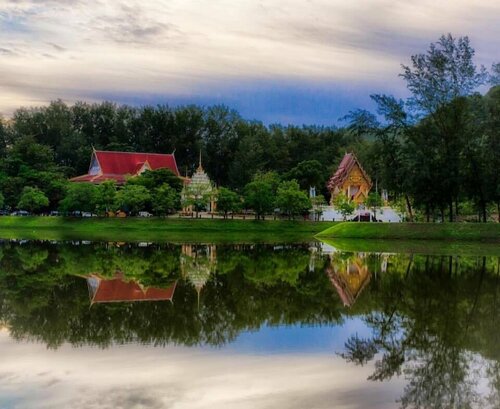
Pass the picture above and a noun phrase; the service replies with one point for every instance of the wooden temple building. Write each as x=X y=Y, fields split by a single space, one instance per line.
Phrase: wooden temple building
x=119 y=166
x=351 y=180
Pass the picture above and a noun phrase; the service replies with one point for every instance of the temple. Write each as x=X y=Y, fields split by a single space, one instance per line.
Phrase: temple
x=118 y=166
x=116 y=289
x=351 y=180
x=199 y=187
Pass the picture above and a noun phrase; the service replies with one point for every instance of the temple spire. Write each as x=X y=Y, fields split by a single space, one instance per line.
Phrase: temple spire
x=200 y=168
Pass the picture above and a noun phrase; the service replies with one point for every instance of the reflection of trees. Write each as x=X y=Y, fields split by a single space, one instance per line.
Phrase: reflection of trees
x=51 y=303
x=429 y=325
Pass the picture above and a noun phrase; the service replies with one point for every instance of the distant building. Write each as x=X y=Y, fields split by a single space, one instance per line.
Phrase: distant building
x=118 y=166
x=199 y=187
x=351 y=180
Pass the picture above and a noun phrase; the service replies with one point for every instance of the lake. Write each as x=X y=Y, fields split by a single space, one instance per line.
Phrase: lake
x=146 y=325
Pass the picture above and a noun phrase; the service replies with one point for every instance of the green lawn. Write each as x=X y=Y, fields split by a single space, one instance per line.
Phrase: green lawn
x=156 y=229
x=484 y=232
x=427 y=247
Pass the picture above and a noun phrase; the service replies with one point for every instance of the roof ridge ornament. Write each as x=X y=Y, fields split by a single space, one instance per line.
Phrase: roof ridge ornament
x=200 y=168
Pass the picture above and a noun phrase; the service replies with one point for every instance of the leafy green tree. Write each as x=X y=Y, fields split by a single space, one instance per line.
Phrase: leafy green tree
x=291 y=200
x=80 y=197
x=221 y=140
x=438 y=81
x=32 y=199
x=389 y=149
x=165 y=200
x=106 y=195
x=495 y=74
x=374 y=201
x=132 y=198
x=344 y=205
x=2 y=200
x=227 y=201
x=308 y=173
x=259 y=197
x=153 y=179
x=272 y=178
x=446 y=72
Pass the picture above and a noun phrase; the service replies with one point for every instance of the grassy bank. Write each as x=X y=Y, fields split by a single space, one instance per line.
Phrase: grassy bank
x=426 y=247
x=466 y=232
x=156 y=229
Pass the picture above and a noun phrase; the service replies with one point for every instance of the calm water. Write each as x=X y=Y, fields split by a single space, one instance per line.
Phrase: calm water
x=116 y=325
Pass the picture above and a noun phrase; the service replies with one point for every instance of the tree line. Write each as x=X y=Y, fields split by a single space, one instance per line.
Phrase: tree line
x=436 y=153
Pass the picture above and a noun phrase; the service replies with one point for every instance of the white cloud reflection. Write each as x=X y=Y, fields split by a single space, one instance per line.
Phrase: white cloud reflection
x=75 y=49
x=136 y=377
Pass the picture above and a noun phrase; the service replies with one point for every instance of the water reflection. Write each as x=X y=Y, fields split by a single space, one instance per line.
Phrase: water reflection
x=349 y=274
x=116 y=289
x=429 y=320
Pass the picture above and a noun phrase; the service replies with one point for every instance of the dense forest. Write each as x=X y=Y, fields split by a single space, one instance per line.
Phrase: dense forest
x=437 y=152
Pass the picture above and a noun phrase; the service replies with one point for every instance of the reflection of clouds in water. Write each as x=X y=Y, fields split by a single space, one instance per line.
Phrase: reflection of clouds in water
x=145 y=377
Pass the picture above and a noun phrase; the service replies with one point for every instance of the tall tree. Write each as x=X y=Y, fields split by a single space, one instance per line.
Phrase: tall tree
x=437 y=80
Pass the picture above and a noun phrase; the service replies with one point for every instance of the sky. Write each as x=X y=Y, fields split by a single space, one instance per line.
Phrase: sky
x=294 y=61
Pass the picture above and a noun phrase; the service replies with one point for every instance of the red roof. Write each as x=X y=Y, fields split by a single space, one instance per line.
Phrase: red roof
x=348 y=162
x=117 y=290
x=118 y=165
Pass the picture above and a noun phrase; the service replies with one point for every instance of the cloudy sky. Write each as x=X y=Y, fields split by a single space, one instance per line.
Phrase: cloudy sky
x=299 y=61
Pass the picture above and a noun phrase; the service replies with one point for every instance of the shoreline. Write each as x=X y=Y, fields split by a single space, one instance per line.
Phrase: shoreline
x=159 y=229
x=450 y=232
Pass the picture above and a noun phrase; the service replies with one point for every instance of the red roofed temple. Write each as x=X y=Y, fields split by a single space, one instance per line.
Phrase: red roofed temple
x=350 y=179
x=102 y=290
x=118 y=166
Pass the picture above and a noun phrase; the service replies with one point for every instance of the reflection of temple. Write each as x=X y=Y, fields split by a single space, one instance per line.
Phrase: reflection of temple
x=197 y=263
x=103 y=290
x=349 y=277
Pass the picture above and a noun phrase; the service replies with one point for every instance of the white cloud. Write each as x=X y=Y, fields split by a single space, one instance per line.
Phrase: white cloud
x=137 y=377
x=76 y=49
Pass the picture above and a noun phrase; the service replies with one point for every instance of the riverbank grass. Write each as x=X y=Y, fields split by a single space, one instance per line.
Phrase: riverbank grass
x=158 y=229
x=486 y=232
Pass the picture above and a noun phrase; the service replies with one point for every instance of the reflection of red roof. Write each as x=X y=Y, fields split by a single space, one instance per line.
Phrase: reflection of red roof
x=117 y=290
x=117 y=165
x=348 y=162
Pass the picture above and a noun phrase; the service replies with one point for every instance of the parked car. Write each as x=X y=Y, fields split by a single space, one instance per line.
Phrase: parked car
x=88 y=214
x=20 y=213
x=144 y=214
x=4 y=212
x=54 y=213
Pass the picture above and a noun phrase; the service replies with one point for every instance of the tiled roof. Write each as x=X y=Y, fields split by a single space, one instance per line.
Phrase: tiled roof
x=117 y=165
x=123 y=163
x=342 y=172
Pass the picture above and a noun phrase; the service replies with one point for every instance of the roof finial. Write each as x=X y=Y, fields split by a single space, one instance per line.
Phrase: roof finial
x=200 y=168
